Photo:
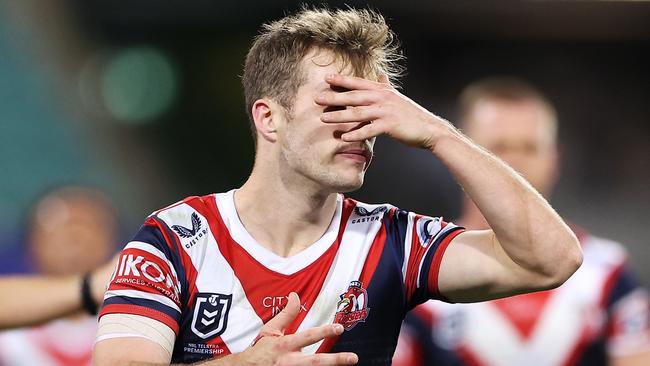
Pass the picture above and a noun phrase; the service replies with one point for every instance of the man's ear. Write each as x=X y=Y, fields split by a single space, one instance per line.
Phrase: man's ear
x=263 y=115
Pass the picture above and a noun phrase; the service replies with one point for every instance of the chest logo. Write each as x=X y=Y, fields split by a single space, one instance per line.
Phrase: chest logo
x=210 y=314
x=352 y=308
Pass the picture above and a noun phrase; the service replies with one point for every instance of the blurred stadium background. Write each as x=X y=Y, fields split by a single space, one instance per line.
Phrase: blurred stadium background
x=142 y=99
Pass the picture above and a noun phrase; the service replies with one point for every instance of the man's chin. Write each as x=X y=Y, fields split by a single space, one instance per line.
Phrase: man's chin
x=344 y=186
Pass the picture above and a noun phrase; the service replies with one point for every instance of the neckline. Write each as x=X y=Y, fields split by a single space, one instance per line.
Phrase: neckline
x=285 y=265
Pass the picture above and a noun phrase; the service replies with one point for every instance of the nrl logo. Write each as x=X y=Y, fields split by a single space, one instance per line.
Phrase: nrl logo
x=353 y=306
x=188 y=233
x=210 y=314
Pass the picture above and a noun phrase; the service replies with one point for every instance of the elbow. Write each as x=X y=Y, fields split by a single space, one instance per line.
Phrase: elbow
x=566 y=264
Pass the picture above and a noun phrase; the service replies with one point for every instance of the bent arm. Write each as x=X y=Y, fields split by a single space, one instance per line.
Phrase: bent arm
x=528 y=248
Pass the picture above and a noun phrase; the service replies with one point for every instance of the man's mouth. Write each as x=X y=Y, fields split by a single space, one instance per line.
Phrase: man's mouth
x=360 y=154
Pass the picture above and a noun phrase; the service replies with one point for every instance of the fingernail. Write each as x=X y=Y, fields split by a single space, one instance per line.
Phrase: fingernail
x=338 y=328
x=331 y=76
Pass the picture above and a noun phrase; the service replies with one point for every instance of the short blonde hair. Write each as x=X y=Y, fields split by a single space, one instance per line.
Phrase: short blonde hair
x=360 y=38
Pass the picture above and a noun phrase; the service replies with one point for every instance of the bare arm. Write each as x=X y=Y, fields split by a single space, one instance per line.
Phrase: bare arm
x=30 y=300
x=273 y=348
x=640 y=359
x=529 y=247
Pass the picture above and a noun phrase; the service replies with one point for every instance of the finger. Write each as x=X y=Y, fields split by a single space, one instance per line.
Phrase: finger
x=312 y=335
x=352 y=82
x=365 y=132
x=277 y=325
x=350 y=114
x=350 y=98
x=323 y=359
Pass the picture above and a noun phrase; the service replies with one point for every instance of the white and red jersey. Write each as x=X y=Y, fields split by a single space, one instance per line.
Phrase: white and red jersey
x=194 y=267
x=600 y=312
x=66 y=342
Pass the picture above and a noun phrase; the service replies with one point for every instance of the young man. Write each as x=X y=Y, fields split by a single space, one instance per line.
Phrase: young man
x=202 y=276
x=600 y=316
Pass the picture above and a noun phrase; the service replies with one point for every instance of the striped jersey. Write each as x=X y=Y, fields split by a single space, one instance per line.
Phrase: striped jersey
x=194 y=267
x=600 y=312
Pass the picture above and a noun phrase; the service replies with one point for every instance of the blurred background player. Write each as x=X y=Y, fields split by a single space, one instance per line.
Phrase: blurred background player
x=71 y=230
x=600 y=316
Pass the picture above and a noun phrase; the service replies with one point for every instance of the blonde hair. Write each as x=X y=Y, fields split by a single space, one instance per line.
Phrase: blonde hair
x=360 y=39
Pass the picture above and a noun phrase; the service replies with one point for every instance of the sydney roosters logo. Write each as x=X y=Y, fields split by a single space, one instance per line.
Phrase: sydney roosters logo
x=353 y=306
x=188 y=233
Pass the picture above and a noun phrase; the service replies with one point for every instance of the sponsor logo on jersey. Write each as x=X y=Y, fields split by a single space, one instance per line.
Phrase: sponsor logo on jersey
x=277 y=303
x=138 y=271
x=352 y=308
x=367 y=216
x=210 y=314
x=186 y=233
x=427 y=228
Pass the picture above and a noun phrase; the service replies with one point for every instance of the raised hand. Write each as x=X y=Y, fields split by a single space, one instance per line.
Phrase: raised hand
x=379 y=109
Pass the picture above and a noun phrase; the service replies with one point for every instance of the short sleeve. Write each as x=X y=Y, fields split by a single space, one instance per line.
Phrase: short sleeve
x=146 y=279
x=628 y=307
x=422 y=241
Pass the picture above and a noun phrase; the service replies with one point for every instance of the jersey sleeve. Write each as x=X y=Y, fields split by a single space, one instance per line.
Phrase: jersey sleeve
x=628 y=308
x=146 y=280
x=422 y=241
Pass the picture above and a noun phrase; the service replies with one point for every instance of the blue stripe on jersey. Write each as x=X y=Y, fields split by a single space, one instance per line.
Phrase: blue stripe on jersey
x=147 y=303
x=375 y=339
x=172 y=253
x=433 y=353
x=396 y=234
x=422 y=293
x=625 y=284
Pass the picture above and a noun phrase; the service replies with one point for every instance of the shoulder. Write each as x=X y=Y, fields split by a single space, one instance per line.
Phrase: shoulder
x=367 y=212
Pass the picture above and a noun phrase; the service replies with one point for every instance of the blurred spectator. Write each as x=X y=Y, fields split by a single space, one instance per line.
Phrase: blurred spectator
x=71 y=230
x=599 y=316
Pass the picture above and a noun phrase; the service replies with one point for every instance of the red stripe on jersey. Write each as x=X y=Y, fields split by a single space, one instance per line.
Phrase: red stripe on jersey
x=369 y=267
x=468 y=356
x=415 y=257
x=151 y=274
x=265 y=289
x=434 y=271
x=190 y=271
x=142 y=311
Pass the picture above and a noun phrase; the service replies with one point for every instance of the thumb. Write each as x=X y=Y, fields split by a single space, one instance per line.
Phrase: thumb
x=277 y=325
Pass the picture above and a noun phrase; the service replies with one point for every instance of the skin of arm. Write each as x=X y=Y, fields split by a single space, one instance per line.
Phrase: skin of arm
x=528 y=248
x=272 y=348
x=31 y=300
x=639 y=359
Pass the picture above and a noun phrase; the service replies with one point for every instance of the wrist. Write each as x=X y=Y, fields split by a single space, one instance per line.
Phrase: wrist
x=441 y=133
x=88 y=303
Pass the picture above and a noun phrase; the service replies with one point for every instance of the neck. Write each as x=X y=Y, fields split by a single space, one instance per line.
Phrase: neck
x=284 y=215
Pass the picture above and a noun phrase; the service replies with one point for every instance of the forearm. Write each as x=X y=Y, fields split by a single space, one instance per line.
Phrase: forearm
x=527 y=229
x=29 y=300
